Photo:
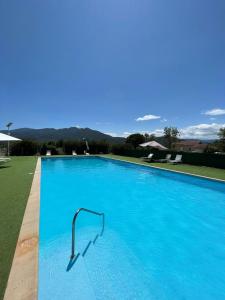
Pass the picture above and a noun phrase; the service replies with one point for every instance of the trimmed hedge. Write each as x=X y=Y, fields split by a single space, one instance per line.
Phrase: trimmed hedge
x=24 y=148
x=27 y=147
x=199 y=159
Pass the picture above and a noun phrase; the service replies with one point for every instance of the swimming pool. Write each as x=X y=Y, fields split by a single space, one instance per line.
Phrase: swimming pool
x=164 y=234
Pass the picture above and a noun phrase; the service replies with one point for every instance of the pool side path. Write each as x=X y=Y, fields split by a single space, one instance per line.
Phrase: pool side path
x=23 y=278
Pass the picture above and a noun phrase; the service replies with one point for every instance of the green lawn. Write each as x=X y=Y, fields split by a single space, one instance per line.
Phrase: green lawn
x=197 y=170
x=15 y=183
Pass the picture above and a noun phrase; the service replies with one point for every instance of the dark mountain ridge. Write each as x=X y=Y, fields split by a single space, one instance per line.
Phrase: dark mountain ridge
x=72 y=133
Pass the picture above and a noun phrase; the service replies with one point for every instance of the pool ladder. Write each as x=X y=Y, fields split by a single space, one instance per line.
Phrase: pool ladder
x=73 y=253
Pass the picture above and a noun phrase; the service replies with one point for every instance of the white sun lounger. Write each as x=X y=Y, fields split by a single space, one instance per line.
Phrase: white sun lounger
x=74 y=153
x=166 y=159
x=148 y=158
x=177 y=160
x=48 y=153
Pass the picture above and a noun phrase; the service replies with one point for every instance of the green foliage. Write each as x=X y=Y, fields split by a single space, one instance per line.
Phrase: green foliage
x=69 y=146
x=149 y=137
x=50 y=146
x=24 y=148
x=221 y=135
x=122 y=149
x=59 y=144
x=135 y=139
x=171 y=135
x=99 y=147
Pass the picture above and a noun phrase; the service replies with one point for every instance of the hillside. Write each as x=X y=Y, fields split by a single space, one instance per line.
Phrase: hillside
x=72 y=133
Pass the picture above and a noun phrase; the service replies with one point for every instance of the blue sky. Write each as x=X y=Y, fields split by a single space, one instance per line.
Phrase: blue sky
x=105 y=63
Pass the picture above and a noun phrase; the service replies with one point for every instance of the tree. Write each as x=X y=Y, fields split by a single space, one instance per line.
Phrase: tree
x=149 y=137
x=171 y=135
x=135 y=139
x=221 y=135
x=152 y=137
x=146 y=135
x=25 y=147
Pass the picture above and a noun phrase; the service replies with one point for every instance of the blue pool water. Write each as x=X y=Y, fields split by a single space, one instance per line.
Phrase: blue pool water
x=164 y=233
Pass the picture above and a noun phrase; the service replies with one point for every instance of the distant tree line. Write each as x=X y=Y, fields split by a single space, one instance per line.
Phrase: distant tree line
x=169 y=138
x=218 y=145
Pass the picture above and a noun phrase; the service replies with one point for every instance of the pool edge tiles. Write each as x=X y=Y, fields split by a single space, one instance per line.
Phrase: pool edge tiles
x=23 y=277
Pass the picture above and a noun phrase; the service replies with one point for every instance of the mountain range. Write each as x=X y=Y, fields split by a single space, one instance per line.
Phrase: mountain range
x=72 y=133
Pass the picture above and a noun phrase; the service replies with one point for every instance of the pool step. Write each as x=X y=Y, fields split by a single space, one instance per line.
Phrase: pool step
x=115 y=272
x=105 y=269
x=72 y=261
x=53 y=262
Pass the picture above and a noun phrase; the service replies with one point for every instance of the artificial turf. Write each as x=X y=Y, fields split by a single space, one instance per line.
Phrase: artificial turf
x=15 y=183
x=196 y=170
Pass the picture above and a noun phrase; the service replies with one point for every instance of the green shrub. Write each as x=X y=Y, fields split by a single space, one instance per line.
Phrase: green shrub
x=45 y=147
x=24 y=148
x=78 y=146
x=135 y=139
x=99 y=147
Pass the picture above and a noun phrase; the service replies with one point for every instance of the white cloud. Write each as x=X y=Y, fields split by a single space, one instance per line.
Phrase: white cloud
x=157 y=132
x=148 y=118
x=202 y=131
x=126 y=133
x=199 y=131
x=215 y=112
x=77 y=126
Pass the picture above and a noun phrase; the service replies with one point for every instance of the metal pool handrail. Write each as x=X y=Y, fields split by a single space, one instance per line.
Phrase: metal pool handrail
x=74 y=223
